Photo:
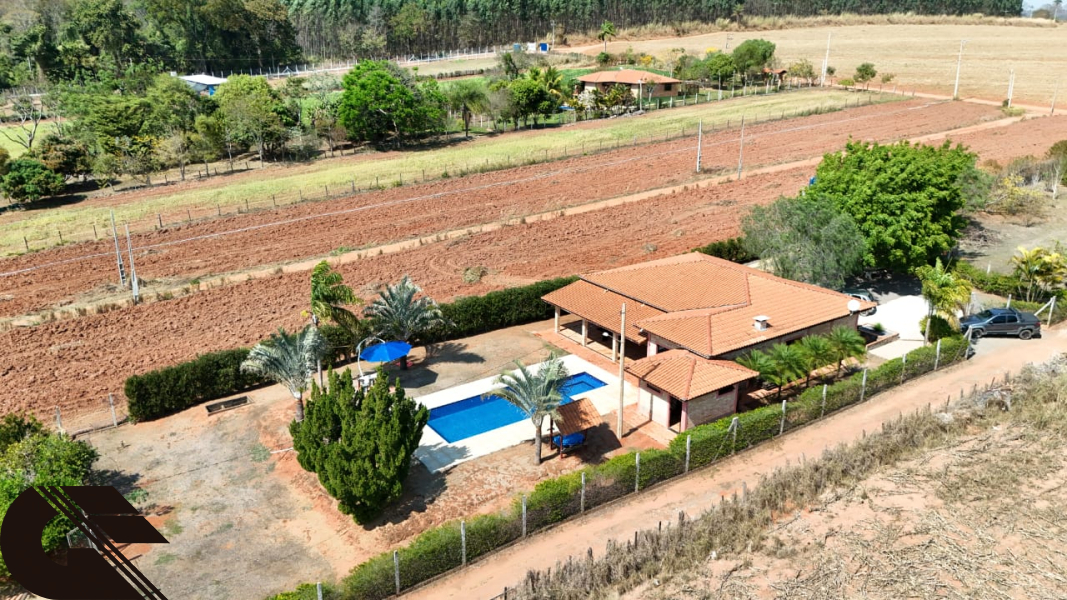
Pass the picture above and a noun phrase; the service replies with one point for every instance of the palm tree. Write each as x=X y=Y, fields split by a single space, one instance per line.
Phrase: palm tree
x=550 y=78
x=788 y=365
x=759 y=362
x=288 y=359
x=467 y=96
x=945 y=293
x=538 y=394
x=1041 y=267
x=398 y=314
x=845 y=342
x=607 y=29
x=329 y=296
x=816 y=352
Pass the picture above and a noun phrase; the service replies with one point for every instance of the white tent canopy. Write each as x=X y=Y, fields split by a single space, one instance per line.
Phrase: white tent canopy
x=202 y=82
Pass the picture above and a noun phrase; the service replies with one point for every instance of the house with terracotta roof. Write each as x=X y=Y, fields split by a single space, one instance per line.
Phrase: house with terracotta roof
x=687 y=318
x=641 y=83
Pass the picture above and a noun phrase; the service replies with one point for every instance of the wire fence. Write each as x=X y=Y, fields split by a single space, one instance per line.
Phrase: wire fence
x=95 y=415
x=456 y=544
x=36 y=239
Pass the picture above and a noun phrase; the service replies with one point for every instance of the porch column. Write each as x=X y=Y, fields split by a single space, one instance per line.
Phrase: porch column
x=557 y=320
x=585 y=333
x=614 y=346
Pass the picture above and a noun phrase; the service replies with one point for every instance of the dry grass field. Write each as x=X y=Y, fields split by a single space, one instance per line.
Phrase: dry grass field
x=921 y=56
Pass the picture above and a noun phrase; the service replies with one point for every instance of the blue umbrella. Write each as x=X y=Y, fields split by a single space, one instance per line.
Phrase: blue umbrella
x=385 y=352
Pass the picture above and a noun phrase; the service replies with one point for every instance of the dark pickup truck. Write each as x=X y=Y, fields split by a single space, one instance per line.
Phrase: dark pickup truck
x=1002 y=321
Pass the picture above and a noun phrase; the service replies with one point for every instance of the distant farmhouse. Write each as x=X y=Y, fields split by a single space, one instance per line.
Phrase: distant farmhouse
x=649 y=85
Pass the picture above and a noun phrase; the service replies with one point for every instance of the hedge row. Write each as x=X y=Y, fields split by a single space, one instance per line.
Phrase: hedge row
x=171 y=389
x=732 y=249
x=991 y=283
x=496 y=310
x=439 y=550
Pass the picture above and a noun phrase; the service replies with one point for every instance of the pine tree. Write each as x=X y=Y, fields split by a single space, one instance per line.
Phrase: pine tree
x=360 y=442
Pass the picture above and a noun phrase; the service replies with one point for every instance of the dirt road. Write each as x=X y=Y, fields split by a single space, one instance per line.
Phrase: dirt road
x=693 y=494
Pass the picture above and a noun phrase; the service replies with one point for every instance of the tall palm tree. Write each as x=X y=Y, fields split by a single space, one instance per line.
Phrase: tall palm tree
x=536 y=393
x=288 y=359
x=1040 y=268
x=400 y=315
x=845 y=342
x=467 y=97
x=816 y=352
x=330 y=296
x=607 y=29
x=945 y=293
x=788 y=365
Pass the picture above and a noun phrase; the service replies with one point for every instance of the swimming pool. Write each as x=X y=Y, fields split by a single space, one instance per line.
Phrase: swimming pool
x=472 y=416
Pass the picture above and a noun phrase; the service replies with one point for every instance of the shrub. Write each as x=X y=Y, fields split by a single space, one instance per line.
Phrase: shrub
x=486 y=533
x=209 y=376
x=307 y=591
x=504 y=308
x=1059 y=314
x=27 y=180
x=731 y=249
x=553 y=500
x=939 y=328
x=991 y=283
x=659 y=465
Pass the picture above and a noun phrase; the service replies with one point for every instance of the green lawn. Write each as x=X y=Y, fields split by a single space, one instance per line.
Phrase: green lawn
x=287 y=185
x=13 y=148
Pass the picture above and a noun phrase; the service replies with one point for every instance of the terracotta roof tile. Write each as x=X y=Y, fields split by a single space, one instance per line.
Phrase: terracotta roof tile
x=686 y=376
x=578 y=416
x=681 y=282
x=626 y=76
x=601 y=307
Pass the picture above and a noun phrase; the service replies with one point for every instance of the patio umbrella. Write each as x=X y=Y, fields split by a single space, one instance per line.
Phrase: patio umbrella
x=385 y=352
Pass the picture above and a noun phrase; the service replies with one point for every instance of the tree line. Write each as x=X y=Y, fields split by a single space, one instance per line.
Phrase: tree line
x=71 y=40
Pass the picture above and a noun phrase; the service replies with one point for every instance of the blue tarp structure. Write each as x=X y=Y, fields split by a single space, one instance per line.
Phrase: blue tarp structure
x=385 y=352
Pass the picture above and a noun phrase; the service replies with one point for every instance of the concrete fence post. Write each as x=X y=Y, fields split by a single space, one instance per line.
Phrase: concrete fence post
x=903 y=367
x=581 y=502
x=781 y=423
x=318 y=590
x=463 y=540
x=524 y=515
x=823 y=411
x=396 y=569
x=734 y=424
x=688 y=448
x=111 y=401
x=637 y=472
x=863 y=388
x=937 y=355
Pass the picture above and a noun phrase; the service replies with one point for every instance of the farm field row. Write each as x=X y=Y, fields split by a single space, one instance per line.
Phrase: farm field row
x=922 y=57
x=174 y=257
x=89 y=357
x=288 y=183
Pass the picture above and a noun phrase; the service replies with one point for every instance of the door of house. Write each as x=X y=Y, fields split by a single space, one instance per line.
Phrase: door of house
x=675 y=416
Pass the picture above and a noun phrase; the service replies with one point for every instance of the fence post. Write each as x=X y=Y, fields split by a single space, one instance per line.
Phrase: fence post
x=734 y=424
x=823 y=412
x=318 y=590
x=937 y=355
x=781 y=424
x=903 y=367
x=688 y=444
x=463 y=539
x=863 y=390
x=111 y=401
x=1051 y=310
x=159 y=217
x=396 y=569
x=637 y=472
x=581 y=506
x=1009 y=302
x=273 y=202
x=524 y=515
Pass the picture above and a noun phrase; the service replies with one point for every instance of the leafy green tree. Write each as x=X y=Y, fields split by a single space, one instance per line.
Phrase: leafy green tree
x=864 y=74
x=527 y=98
x=536 y=393
x=106 y=28
x=381 y=100
x=467 y=97
x=409 y=24
x=64 y=155
x=249 y=106
x=607 y=30
x=751 y=56
x=288 y=359
x=401 y=314
x=28 y=180
x=945 y=292
x=5 y=157
x=1039 y=270
x=904 y=198
x=805 y=239
x=360 y=442
x=816 y=353
x=16 y=427
x=845 y=343
x=803 y=69
x=172 y=106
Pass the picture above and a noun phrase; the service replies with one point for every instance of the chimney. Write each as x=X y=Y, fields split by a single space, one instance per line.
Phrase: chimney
x=761 y=323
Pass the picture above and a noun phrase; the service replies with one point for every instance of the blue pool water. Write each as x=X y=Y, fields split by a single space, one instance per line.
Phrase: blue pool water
x=466 y=418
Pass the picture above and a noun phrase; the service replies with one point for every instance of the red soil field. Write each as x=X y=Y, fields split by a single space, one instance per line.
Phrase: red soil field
x=298 y=232
x=77 y=362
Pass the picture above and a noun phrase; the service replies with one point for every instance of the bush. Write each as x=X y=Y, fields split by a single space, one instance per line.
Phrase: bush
x=553 y=500
x=504 y=308
x=991 y=283
x=1059 y=314
x=732 y=249
x=207 y=377
x=486 y=533
x=27 y=180
x=939 y=328
x=307 y=591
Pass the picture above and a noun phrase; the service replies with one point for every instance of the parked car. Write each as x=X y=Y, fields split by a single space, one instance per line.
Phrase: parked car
x=864 y=296
x=1002 y=321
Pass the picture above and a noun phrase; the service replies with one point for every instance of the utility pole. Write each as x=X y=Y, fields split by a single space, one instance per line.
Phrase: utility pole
x=700 y=139
x=741 y=151
x=1011 y=85
x=118 y=253
x=825 y=62
x=622 y=368
x=959 y=61
x=133 y=270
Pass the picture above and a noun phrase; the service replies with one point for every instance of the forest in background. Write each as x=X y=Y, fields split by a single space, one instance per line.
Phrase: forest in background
x=93 y=40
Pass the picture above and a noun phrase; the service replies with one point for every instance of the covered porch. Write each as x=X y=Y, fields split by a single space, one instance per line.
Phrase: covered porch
x=592 y=317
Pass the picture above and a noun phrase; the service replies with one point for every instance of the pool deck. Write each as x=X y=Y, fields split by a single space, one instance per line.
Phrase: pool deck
x=439 y=455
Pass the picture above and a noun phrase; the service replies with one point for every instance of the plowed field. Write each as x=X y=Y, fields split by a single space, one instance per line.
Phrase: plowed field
x=242 y=242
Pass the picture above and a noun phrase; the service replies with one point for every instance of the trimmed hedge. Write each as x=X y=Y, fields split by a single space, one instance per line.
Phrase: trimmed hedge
x=171 y=389
x=496 y=310
x=992 y=283
x=732 y=249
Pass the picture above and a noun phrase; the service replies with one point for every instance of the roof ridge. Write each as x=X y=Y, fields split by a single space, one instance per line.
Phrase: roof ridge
x=689 y=380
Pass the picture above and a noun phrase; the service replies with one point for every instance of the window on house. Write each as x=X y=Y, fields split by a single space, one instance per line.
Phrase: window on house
x=726 y=390
x=667 y=87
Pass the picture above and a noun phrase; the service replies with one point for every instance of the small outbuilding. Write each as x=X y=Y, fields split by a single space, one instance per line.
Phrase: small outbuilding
x=643 y=83
x=203 y=83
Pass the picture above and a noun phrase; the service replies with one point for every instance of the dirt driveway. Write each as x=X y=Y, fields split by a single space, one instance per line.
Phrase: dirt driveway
x=693 y=494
